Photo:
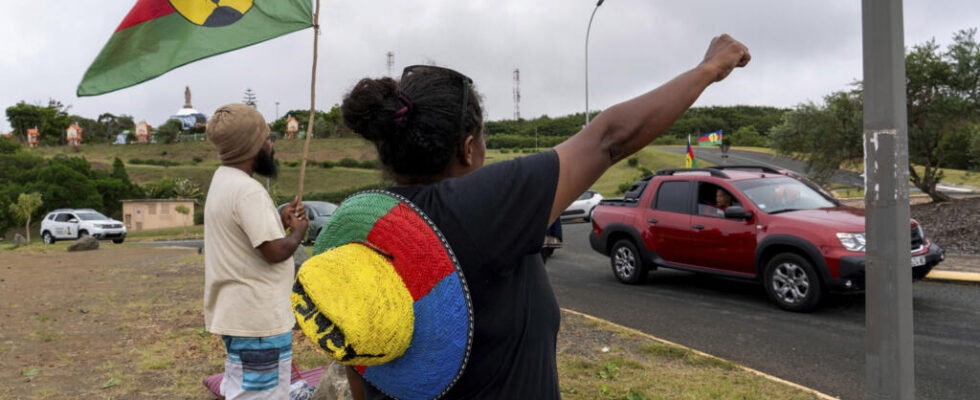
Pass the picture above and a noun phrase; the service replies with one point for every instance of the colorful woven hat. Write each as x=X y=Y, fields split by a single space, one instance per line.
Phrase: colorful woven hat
x=384 y=293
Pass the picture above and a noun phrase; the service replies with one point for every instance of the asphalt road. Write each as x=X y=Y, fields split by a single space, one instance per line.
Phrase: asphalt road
x=734 y=320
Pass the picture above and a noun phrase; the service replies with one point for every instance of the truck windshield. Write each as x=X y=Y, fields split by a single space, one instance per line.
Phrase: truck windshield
x=91 y=216
x=775 y=195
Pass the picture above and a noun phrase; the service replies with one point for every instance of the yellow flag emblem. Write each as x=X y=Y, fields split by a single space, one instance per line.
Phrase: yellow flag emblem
x=212 y=13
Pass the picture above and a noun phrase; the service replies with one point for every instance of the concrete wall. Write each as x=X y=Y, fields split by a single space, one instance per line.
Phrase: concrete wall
x=142 y=215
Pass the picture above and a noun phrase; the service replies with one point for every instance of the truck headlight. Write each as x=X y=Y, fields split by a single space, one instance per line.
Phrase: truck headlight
x=851 y=241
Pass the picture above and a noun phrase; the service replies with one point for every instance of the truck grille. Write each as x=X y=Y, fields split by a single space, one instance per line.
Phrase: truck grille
x=917 y=240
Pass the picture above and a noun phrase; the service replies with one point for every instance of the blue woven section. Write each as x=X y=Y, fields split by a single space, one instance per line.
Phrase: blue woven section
x=437 y=349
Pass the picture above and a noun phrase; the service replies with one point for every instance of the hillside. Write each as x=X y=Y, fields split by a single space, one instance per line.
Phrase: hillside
x=197 y=160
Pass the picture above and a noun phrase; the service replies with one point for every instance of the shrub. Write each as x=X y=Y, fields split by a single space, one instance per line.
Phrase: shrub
x=348 y=162
x=327 y=164
x=340 y=195
x=633 y=161
x=197 y=160
x=504 y=151
x=623 y=187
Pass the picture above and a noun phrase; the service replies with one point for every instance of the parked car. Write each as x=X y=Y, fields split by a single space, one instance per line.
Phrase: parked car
x=744 y=222
x=70 y=224
x=318 y=213
x=583 y=206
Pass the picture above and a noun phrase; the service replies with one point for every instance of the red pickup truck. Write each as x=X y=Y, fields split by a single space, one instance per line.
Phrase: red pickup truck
x=745 y=222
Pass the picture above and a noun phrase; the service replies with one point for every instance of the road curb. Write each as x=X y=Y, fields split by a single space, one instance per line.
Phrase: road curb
x=954 y=276
x=814 y=392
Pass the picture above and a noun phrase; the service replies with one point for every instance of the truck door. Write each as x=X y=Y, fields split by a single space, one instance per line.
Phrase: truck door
x=61 y=228
x=719 y=243
x=667 y=221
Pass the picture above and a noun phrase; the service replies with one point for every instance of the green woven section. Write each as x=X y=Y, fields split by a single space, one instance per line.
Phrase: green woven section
x=353 y=220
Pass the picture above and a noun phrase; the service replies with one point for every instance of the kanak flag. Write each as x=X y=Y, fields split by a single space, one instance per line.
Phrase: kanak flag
x=689 y=161
x=710 y=139
x=160 y=35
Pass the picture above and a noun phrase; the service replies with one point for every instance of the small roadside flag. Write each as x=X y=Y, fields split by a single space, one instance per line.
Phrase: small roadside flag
x=689 y=161
x=160 y=35
x=710 y=139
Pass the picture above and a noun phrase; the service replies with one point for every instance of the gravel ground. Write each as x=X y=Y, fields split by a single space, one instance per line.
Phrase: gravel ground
x=953 y=225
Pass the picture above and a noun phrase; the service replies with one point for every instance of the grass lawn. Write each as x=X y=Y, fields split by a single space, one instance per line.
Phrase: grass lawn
x=125 y=322
x=622 y=172
x=190 y=232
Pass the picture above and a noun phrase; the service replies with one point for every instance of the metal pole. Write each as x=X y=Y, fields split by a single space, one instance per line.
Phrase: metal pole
x=889 y=361
x=587 y=30
x=277 y=111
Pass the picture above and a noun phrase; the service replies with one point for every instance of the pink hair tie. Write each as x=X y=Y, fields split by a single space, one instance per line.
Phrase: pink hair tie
x=400 y=114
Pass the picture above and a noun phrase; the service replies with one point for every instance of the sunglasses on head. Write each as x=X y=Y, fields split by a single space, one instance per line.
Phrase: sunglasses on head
x=467 y=82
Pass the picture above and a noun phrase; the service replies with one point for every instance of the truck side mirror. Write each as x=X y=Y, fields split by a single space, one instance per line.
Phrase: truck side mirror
x=73 y=221
x=737 y=212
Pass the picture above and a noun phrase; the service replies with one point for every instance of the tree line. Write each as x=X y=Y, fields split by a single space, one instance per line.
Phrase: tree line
x=943 y=110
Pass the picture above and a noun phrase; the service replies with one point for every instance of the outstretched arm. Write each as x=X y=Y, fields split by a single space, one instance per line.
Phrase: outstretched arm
x=627 y=127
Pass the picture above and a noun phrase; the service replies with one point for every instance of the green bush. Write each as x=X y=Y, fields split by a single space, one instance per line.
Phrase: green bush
x=348 y=162
x=633 y=161
x=197 y=160
x=327 y=164
x=153 y=161
x=623 y=187
x=504 y=151
x=199 y=215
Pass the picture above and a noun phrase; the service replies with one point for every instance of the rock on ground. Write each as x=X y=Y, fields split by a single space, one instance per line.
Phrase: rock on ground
x=84 y=243
x=333 y=385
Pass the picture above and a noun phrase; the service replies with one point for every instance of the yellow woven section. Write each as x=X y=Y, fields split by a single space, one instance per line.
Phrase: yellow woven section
x=358 y=292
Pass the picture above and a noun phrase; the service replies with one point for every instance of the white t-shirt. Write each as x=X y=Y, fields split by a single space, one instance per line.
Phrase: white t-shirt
x=244 y=295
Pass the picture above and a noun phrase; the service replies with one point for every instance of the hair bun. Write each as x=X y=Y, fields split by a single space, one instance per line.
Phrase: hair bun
x=369 y=109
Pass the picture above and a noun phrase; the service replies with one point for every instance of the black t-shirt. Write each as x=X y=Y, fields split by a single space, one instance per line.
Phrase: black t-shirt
x=495 y=219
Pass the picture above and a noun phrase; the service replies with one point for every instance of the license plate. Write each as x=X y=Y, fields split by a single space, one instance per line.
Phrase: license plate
x=918 y=261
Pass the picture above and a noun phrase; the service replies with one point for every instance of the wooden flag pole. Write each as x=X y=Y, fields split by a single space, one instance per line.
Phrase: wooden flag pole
x=309 y=125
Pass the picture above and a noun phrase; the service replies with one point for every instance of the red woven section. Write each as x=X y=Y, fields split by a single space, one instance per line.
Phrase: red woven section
x=419 y=256
x=145 y=10
x=360 y=369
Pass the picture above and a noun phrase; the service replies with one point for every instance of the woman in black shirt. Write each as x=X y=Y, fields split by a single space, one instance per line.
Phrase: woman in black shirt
x=429 y=133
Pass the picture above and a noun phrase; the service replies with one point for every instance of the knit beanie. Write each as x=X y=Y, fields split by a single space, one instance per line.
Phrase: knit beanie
x=238 y=132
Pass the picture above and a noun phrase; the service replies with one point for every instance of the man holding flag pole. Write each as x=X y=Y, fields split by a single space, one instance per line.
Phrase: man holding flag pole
x=248 y=258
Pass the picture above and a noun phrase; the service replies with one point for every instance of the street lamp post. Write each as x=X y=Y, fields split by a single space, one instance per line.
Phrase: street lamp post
x=587 y=30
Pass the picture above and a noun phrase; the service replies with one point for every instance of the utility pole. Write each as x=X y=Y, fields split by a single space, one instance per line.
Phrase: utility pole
x=517 y=94
x=277 y=110
x=390 y=62
x=889 y=357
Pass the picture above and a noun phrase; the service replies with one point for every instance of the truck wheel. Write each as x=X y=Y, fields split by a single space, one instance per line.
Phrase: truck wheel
x=81 y=234
x=792 y=283
x=118 y=241
x=626 y=262
x=47 y=237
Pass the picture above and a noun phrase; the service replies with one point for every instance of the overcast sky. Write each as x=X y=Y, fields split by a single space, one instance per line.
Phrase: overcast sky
x=802 y=50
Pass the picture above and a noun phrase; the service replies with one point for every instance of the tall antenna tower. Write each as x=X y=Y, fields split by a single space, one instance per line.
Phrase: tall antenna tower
x=391 y=62
x=517 y=94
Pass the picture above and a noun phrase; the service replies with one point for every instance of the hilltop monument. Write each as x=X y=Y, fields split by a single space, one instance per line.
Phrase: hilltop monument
x=187 y=115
